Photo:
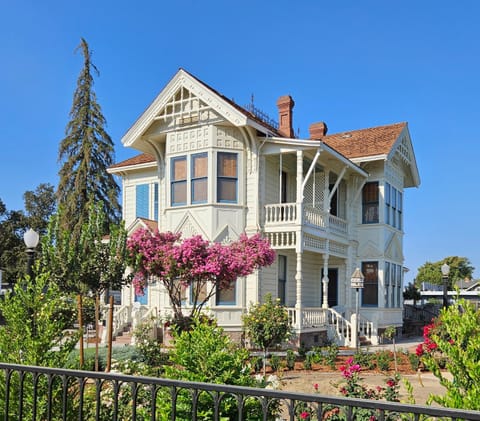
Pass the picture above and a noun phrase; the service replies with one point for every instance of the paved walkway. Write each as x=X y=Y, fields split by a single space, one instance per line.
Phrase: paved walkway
x=409 y=343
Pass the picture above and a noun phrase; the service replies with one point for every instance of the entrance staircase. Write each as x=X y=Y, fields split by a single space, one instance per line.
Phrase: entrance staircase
x=339 y=329
x=125 y=320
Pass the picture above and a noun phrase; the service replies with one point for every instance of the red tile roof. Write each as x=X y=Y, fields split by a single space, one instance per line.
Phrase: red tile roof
x=143 y=158
x=152 y=225
x=365 y=142
x=354 y=144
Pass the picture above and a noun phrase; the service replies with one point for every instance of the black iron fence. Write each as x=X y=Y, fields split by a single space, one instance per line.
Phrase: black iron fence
x=37 y=393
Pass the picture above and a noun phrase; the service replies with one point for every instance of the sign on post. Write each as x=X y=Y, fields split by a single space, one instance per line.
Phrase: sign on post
x=357 y=279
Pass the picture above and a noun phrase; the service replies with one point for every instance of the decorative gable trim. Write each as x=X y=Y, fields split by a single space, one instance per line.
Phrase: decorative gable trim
x=369 y=250
x=226 y=235
x=393 y=250
x=183 y=79
x=189 y=227
x=402 y=150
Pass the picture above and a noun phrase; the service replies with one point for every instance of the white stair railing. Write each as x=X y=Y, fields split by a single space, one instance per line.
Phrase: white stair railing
x=341 y=326
x=365 y=328
x=121 y=319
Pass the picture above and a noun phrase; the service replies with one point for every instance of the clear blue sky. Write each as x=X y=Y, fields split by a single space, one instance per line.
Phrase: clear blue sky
x=352 y=64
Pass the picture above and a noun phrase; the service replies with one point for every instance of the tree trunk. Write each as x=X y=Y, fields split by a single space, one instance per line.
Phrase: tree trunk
x=110 y=335
x=97 y=316
x=80 y=326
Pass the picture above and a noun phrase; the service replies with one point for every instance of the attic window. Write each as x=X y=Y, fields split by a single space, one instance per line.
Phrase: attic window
x=347 y=136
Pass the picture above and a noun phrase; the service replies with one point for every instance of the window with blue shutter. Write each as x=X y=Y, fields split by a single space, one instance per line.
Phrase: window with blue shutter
x=155 y=201
x=142 y=205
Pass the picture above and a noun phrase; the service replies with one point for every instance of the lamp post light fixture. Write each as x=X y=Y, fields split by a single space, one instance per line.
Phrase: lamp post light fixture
x=357 y=279
x=31 y=239
x=445 y=272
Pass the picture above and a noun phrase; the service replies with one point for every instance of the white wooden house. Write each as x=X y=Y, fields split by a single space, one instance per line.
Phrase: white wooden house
x=327 y=203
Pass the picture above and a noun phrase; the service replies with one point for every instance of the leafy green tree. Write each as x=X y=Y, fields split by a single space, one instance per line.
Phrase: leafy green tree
x=454 y=340
x=89 y=263
x=267 y=324
x=40 y=205
x=85 y=153
x=460 y=268
x=33 y=333
x=12 y=249
x=34 y=324
x=412 y=293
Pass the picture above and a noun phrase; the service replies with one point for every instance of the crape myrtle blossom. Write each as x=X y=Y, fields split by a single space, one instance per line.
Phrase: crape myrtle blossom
x=194 y=262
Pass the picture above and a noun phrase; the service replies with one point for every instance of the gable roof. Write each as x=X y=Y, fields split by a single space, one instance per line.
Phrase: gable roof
x=148 y=224
x=143 y=158
x=208 y=96
x=366 y=142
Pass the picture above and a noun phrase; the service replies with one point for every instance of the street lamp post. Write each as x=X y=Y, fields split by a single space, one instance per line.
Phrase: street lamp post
x=30 y=238
x=445 y=272
x=357 y=283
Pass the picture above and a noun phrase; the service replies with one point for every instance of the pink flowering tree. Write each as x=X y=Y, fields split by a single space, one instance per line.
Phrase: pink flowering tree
x=194 y=262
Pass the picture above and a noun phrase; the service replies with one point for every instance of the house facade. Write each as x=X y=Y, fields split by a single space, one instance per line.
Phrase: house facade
x=328 y=204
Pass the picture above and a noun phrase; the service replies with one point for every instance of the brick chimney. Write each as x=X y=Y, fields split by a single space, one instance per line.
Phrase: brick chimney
x=285 y=115
x=318 y=130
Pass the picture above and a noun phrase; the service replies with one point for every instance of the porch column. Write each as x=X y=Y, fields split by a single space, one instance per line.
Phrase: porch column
x=325 y=281
x=299 y=240
x=298 y=280
x=299 y=198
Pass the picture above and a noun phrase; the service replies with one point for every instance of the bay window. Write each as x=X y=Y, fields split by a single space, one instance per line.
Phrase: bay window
x=370 y=203
x=199 y=178
x=227 y=177
x=179 y=181
x=370 y=286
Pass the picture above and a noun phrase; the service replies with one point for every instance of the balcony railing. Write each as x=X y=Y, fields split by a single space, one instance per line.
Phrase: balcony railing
x=30 y=393
x=279 y=214
x=309 y=317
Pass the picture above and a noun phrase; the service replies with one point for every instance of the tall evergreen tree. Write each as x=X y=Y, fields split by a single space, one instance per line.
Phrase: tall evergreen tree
x=85 y=153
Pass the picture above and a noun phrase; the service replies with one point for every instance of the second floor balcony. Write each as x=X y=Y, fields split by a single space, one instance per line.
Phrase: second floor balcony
x=282 y=217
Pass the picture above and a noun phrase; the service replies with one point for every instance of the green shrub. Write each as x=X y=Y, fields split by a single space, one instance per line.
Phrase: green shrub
x=383 y=360
x=454 y=339
x=414 y=360
x=256 y=363
x=205 y=354
x=317 y=354
x=365 y=359
x=307 y=363
x=150 y=348
x=119 y=354
x=267 y=324
x=330 y=353
x=275 y=362
x=290 y=359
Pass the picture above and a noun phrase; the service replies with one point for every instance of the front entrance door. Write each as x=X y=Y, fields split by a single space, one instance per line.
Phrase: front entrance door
x=332 y=287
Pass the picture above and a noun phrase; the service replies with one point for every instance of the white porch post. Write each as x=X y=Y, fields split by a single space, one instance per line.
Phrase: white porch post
x=298 y=280
x=325 y=281
x=299 y=243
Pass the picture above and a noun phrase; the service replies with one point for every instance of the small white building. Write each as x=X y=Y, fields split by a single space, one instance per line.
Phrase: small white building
x=328 y=204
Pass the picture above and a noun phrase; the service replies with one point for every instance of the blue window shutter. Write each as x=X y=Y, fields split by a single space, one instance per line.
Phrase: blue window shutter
x=142 y=205
x=155 y=201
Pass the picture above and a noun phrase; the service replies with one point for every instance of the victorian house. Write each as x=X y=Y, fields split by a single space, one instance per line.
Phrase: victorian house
x=328 y=203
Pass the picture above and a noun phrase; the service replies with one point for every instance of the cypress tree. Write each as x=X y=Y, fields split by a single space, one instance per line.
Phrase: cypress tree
x=85 y=154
